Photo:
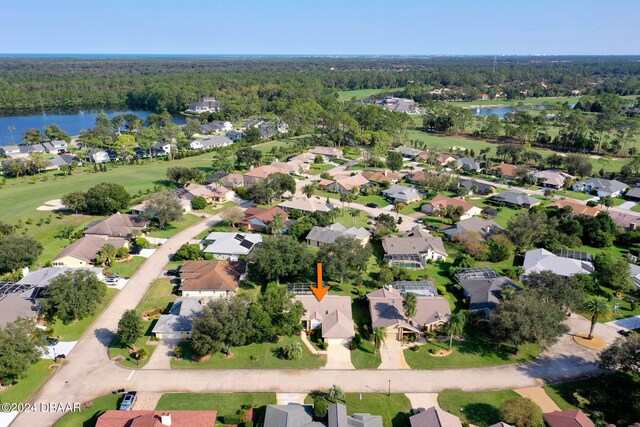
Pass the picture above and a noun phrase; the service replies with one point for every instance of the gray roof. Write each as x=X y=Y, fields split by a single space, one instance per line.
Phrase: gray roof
x=513 y=197
x=475 y=224
x=608 y=185
x=64 y=159
x=292 y=415
x=331 y=233
x=537 y=260
x=434 y=417
x=634 y=192
x=385 y=307
x=402 y=192
x=408 y=151
x=15 y=306
x=393 y=245
x=470 y=163
x=181 y=315
x=337 y=414
x=42 y=278
x=117 y=225
x=482 y=186
x=483 y=287
x=216 y=141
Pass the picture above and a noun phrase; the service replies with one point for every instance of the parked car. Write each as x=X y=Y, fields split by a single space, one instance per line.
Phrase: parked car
x=60 y=357
x=624 y=332
x=173 y=272
x=135 y=250
x=372 y=205
x=128 y=401
x=112 y=280
x=53 y=341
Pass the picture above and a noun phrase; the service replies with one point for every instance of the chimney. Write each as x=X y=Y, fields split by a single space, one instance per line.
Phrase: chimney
x=165 y=419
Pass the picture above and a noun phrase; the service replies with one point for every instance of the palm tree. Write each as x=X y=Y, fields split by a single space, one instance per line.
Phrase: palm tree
x=397 y=207
x=455 y=325
x=277 y=224
x=309 y=189
x=379 y=338
x=409 y=304
x=598 y=308
x=354 y=214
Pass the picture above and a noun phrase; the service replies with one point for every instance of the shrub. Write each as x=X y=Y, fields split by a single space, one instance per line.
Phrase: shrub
x=234 y=419
x=320 y=407
x=248 y=423
x=198 y=203
x=142 y=242
x=292 y=351
x=415 y=348
x=352 y=345
x=122 y=253
x=177 y=352
x=188 y=252
x=432 y=351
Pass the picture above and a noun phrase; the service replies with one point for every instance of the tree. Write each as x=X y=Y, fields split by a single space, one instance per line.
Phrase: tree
x=345 y=258
x=397 y=207
x=610 y=273
x=141 y=354
x=578 y=164
x=527 y=229
x=566 y=292
x=165 y=208
x=251 y=135
x=409 y=304
x=20 y=346
x=623 y=355
x=247 y=156
x=527 y=318
x=455 y=325
x=492 y=127
x=276 y=225
x=386 y=221
x=106 y=198
x=279 y=306
x=463 y=260
x=280 y=257
x=309 y=190
x=191 y=128
x=130 y=327
x=17 y=251
x=73 y=295
x=182 y=175
x=336 y=393
x=125 y=145
x=379 y=338
x=188 y=252
x=198 y=203
x=394 y=160
x=292 y=351
x=521 y=412
x=32 y=136
x=500 y=248
x=223 y=323
x=5 y=228
x=597 y=308
x=320 y=407
x=232 y=215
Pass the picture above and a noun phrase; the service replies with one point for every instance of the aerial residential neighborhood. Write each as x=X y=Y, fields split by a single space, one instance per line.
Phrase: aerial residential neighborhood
x=391 y=214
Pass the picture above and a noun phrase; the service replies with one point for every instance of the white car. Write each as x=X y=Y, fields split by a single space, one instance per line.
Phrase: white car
x=112 y=280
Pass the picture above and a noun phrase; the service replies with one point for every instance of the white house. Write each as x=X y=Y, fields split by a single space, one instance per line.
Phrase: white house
x=603 y=187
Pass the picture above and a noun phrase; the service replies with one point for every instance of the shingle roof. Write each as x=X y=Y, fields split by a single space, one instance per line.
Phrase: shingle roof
x=210 y=275
x=507 y=169
x=382 y=176
x=475 y=224
x=514 y=197
x=468 y=163
x=15 y=306
x=434 y=417
x=307 y=204
x=337 y=417
x=538 y=260
x=331 y=233
x=393 y=245
x=608 y=185
x=181 y=315
x=482 y=187
x=484 y=289
x=571 y=418
x=216 y=141
x=402 y=192
x=552 y=177
x=333 y=311
x=88 y=247
x=408 y=151
x=385 y=306
x=118 y=225
x=292 y=415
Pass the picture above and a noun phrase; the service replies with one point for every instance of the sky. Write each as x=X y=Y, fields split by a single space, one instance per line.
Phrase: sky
x=322 y=27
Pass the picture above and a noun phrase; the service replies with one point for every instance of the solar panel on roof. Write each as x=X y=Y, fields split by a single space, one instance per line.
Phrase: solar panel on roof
x=239 y=237
x=246 y=244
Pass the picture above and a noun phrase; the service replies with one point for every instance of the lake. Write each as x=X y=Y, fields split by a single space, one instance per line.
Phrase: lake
x=71 y=121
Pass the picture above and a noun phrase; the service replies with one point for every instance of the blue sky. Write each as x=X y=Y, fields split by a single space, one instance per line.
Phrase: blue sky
x=453 y=27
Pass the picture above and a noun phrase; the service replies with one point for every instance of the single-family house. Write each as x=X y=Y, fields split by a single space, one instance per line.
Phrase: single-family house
x=55 y=147
x=22 y=151
x=409 y=153
x=83 y=252
x=551 y=179
x=234 y=135
x=628 y=221
x=399 y=105
x=98 y=156
x=337 y=417
x=118 y=225
x=346 y=184
x=444 y=159
x=306 y=205
x=260 y=220
x=211 y=142
x=514 y=199
x=216 y=126
x=305 y=157
x=477 y=187
x=208 y=104
x=40 y=279
x=413 y=252
x=148 y=418
x=440 y=202
x=231 y=246
x=320 y=236
x=212 y=279
x=417 y=177
x=483 y=287
x=601 y=187
x=634 y=270
x=291 y=415
x=563 y=263
x=434 y=417
x=228 y=180
x=506 y=170
x=211 y=192
x=178 y=323
x=470 y=164
x=259 y=174
x=10 y=150
x=576 y=207
x=163 y=148
x=327 y=152
x=485 y=228
x=387 y=311
x=402 y=194
x=382 y=176
x=633 y=194
x=331 y=316
x=569 y=418
x=62 y=160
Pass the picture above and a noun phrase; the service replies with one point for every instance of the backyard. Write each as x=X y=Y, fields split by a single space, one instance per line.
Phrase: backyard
x=175 y=227
x=26 y=387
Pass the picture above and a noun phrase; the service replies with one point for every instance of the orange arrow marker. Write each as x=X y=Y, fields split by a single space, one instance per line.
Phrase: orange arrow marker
x=320 y=291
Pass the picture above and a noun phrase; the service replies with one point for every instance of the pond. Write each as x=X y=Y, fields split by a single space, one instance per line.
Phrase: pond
x=500 y=111
x=71 y=121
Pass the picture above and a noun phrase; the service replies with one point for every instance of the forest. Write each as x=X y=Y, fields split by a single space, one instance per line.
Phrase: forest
x=254 y=85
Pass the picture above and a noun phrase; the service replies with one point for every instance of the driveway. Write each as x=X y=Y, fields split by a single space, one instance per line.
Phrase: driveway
x=63 y=347
x=626 y=324
x=392 y=355
x=161 y=357
x=338 y=356
x=627 y=205
x=423 y=400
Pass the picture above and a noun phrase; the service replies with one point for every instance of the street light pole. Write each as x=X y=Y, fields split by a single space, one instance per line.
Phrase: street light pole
x=389 y=393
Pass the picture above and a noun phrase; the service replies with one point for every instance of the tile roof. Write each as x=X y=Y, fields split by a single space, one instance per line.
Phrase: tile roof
x=381 y=176
x=307 y=204
x=210 y=275
x=554 y=178
x=350 y=182
x=507 y=169
x=444 y=201
x=385 y=307
x=475 y=224
x=113 y=418
x=571 y=418
x=576 y=207
x=326 y=151
x=263 y=215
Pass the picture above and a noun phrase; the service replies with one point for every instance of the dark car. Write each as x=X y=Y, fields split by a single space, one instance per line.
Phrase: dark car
x=53 y=341
x=128 y=401
x=135 y=250
x=60 y=357
x=624 y=332
x=372 y=205
x=173 y=272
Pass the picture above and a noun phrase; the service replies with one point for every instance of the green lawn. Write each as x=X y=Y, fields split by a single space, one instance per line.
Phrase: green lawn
x=373 y=198
x=317 y=169
x=224 y=403
x=481 y=408
x=346 y=95
x=477 y=349
x=26 y=387
x=252 y=356
x=265 y=147
x=216 y=207
x=395 y=409
x=126 y=268
x=176 y=226
x=87 y=417
x=160 y=295
x=347 y=220
x=73 y=331
x=636 y=207
x=574 y=194
x=363 y=357
x=412 y=208
x=612 y=395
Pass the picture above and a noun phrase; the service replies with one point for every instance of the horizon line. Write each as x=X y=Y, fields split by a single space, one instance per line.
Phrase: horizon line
x=316 y=55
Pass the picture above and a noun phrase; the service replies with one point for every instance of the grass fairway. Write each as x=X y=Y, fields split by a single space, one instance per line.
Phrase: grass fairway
x=26 y=387
x=73 y=331
x=475 y=350
x=224 y=403
x=176 y=226
x=480 y=408
x=347 y=95
x=87 y=417
x=252 y=356
x=394 y=409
